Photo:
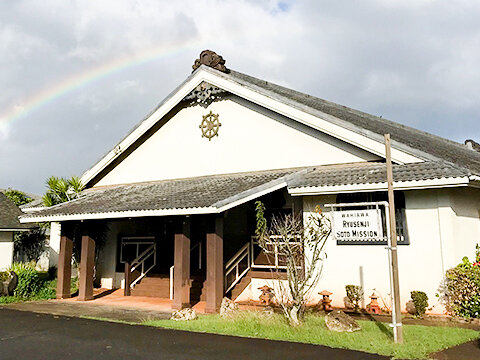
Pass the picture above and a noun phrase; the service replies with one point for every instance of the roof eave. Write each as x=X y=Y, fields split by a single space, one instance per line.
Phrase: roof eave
x=371 y=187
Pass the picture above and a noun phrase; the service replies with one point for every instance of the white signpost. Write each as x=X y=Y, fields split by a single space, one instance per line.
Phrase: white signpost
x=366 y=226
x=358 y=225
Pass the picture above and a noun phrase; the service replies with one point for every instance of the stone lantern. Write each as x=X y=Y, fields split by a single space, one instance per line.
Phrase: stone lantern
x=374 y=307
x=266 y=296
x=326 y=301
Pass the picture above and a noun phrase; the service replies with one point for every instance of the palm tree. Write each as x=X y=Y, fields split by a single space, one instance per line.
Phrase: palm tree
x=60 y=190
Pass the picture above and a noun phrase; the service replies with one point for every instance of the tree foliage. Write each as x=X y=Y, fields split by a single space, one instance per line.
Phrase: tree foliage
x=60 y=190
x=301 y=250
x=17 y=197
x=30 y=245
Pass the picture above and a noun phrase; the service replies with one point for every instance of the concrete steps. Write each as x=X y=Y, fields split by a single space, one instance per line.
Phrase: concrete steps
x=153 y=286
x=254 y=274
x=241 y=285
x=159 y=286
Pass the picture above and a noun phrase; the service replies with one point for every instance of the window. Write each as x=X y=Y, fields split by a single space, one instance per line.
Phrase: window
x=132 y=247
x=400 y=219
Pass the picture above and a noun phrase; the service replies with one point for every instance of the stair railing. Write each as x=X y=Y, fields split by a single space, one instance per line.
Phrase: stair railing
x=233 y=266
x=138 y=263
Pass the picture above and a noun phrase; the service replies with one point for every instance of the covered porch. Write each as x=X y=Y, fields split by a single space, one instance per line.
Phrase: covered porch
x=185 y=256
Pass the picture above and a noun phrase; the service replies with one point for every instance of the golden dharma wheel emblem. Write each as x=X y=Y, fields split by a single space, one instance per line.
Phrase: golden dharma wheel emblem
x=210 y=125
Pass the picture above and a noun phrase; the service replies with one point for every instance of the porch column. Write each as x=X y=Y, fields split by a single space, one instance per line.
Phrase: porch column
x=87 y=262
x=181 y=272
x=215 y=277
x=64 y=272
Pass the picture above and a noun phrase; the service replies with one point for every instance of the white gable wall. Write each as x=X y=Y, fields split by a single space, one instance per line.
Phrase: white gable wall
x=250 y=138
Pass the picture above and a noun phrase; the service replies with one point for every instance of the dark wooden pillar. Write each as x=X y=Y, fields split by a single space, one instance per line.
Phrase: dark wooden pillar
x=87 y=263
x=215 y=276
x=64 y=273
x=181 y=272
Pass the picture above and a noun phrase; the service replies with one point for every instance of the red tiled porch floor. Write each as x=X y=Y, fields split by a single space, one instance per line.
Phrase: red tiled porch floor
x=117 y=299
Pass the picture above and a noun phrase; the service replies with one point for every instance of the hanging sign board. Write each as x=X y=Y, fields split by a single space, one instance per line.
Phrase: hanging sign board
x=357 y=225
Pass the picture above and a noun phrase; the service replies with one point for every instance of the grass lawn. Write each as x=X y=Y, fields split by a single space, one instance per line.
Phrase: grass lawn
x=419 y=341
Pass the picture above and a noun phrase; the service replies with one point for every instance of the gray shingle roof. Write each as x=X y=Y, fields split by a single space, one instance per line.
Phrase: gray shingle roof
x=189 y=193
x=438 y=147
x=215 y=191
x=38 y=203
x=374 y=173
x=9 y=213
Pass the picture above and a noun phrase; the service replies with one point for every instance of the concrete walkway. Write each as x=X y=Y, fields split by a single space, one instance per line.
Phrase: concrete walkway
x=87 y=309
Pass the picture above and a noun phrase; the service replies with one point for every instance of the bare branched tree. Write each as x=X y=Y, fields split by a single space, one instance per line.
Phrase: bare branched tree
x=299 y=248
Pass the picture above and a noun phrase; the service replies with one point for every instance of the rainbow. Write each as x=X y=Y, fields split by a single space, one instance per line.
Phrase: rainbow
x=79 y=80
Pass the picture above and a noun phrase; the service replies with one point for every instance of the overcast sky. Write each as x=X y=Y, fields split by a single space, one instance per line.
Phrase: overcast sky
x=76 y=76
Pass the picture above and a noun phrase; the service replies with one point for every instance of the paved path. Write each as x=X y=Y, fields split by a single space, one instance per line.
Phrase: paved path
x=84 y=309
x=467 y=351
x=26 y=335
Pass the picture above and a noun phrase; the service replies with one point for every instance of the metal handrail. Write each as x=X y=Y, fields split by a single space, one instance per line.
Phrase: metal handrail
x=233 y=264
x=234 y=257
x=276 y=265
x=140 y=261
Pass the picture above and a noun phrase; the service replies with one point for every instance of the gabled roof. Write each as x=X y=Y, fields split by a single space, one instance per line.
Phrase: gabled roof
x=9 y=213
x=352 y=126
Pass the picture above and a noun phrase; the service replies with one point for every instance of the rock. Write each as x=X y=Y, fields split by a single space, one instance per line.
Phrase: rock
x=184 y=315
x=410 y=306
x=267 y=312
x=228 y=307
x=339 y=321
x=8 y=287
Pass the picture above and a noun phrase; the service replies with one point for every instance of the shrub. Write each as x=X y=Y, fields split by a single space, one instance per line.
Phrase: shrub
x=355 y=295
x=32 y=284
x=29 y=279
x=420 y=300
x=462 y=288
x=47 y=291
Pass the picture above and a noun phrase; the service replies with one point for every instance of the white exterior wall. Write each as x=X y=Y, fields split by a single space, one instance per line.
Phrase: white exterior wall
x=6 y=249
x=466 y=228
x=109 y=278
x=250 y=138
x=54 y=243
x=439 y=238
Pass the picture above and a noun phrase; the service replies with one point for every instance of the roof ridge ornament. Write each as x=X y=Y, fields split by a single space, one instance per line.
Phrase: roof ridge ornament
x=211 y=59
x=204 y=94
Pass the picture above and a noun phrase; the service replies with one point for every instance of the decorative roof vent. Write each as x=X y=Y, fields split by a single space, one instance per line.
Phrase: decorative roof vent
x=472 y=145
x=211 y=59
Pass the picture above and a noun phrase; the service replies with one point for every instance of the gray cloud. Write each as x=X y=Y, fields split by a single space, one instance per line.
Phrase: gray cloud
x=412 y=61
